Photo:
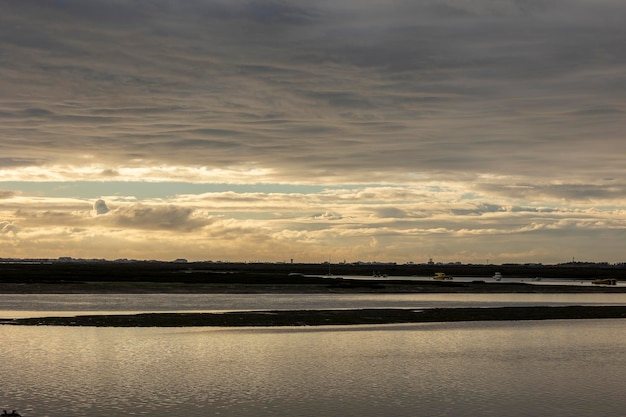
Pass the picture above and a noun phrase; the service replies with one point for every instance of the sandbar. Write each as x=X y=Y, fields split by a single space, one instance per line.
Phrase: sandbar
x=327 y=317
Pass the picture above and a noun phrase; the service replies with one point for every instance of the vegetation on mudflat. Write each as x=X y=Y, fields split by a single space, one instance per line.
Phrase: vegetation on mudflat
x=329 y=317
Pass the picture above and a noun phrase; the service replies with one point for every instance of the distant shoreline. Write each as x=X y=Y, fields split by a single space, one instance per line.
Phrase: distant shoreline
x=327 y=317
x=313 y=285
x=237 y=278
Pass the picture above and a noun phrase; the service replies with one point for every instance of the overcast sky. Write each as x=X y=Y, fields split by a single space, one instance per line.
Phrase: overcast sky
x=371 y=130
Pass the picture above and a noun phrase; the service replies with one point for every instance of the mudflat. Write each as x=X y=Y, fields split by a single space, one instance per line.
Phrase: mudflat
x=327 y=317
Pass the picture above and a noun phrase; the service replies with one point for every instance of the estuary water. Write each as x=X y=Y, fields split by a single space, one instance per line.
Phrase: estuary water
x=529 y=368
x=543 y=368
x=39 y=305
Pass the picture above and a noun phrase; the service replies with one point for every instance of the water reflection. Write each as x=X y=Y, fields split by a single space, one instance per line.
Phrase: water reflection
x=37 y=305
x=446 y=369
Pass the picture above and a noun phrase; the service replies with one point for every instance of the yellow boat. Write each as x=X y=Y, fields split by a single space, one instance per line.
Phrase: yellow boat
x=441 y=276
x=604 y=281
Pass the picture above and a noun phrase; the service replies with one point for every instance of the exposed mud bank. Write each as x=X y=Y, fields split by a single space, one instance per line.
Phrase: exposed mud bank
x=328 y=317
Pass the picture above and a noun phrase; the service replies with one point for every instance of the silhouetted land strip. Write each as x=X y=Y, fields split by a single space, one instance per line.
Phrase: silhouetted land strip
x=165 y=271
x=169 y=277
x=329 y=317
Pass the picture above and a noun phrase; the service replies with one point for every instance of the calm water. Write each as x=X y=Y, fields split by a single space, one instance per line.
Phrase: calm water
x=541 y=368
x=36 y=305
x=544 y=368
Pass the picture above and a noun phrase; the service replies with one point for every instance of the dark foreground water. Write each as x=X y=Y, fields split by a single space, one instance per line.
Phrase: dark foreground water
x=546 y=368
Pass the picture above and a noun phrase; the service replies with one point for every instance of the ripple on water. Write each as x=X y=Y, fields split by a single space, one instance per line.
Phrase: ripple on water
x=452 y=369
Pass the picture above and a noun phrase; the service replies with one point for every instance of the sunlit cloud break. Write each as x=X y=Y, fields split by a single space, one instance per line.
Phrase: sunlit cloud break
x=161 y=173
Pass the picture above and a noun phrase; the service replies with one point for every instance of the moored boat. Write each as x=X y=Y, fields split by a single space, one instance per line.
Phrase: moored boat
x=604 y=281
x=441 y=276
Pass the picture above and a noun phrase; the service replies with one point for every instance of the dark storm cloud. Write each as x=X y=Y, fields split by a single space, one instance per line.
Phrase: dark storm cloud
x=134 y=216
x=166 y=218
x=571 y=192
x=17 y=162
x=391 y=213
x=100 y=207
x=479 y=209
x=331 y=89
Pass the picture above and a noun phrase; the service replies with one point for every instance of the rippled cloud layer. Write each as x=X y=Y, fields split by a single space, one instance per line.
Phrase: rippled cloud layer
x=462 y=130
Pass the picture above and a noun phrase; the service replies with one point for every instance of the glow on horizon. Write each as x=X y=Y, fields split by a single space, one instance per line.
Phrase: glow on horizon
x=398 y=224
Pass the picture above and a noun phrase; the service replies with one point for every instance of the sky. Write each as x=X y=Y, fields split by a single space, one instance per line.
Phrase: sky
x=475 y=131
